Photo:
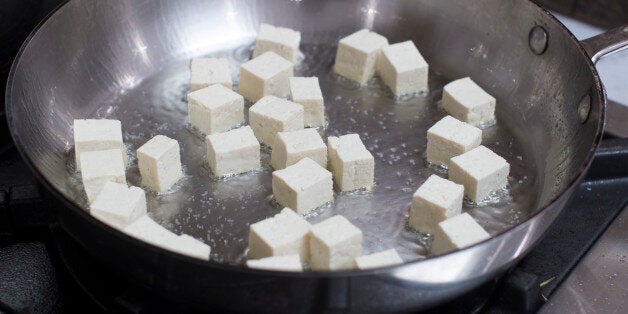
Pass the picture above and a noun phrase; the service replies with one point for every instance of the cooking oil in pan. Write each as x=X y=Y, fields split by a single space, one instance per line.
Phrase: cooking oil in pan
x=219 y=212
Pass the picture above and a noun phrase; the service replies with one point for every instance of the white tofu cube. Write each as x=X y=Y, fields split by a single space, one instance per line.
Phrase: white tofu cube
x=451 y=137
x=356 y=57
x=456 y=233
x=403 y=69
x=286 y=233
x=434 y=201
x=118 y=205
x=280 y=263
x=334 y=244
x=159 y=161
x=380 y=259
x=265 y=75
x=215 y=109
x=280 y=40
x=147 y=230
x=290 y=147
x=187 y=245
x=271 y=115
x=306 y=92
x=303 y=186
x=464 y=100
x=100 y=167
x=351 y=163
x=233 y=152
x=481 y=171
x=205 y=72
x=97 y=134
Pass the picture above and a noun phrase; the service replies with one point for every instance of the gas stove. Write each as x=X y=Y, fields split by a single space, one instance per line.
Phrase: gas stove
x=578 y=267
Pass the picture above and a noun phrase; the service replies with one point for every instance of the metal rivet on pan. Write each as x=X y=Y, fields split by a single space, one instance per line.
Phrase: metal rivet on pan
x=584 y=108
x=538 y=40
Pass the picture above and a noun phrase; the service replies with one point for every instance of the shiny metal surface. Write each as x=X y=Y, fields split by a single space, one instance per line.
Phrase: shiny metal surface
x=599 y=284
x=607 y=43
x=127 y=60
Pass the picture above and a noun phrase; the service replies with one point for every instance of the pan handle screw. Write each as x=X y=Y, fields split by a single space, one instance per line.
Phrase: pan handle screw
x=538 y=40
x=584 y=108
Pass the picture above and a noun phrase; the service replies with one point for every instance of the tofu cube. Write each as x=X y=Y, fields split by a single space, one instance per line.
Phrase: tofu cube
x=118 y=205
x=451 y=137
x=334 y=244
x=147 y=230
x=100 y=167
x=351 y=163
x=303 y=186
x=306 y=92
x=205 y=72
x=215 y=109
x=287 y=233
x=97 y=134
x=376 y=260
x=357 y=54
x=481 y=171
x=290 y=147
x=187 y=245
x=403 y=69
x=464 y=100
x=159 y=161
x=456 y=233
x=434 y=201
x=280 y=263
x=271 y=115
x=265 y=75
x=280 y=40
x=233 y=152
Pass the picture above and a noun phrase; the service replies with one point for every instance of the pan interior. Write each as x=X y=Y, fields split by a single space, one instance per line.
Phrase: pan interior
x=130 y=62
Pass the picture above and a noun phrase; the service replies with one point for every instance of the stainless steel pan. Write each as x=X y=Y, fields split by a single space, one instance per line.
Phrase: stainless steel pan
x=128 y=60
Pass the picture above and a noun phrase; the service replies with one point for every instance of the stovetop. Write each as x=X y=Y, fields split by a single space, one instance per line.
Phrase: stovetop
x=579 y=266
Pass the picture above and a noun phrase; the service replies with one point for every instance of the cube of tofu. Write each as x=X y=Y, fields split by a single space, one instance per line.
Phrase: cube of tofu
x=464 y=100
x=306 y=92
x=100 y=167
x=159 y=161
x=265 y=75
x=380 y=259
x=147 y=230
x=205 y=72
x=280 y=40
x=118 y=205
x=303 y=186
x=97 y=134
x=233 y=152
x=187 y=245
x=434 y=201
x=271 y=115
x=334 y=244
x=215 y=109
x=451 y=137
x=403 y=69
x=290 y=147
x=286 y=233
x=481 y=171
x=279 y=263
x=356 y=57
x=351 y=163
x=456 y=233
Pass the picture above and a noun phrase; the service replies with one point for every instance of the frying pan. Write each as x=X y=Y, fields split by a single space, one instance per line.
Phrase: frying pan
x=128 y=60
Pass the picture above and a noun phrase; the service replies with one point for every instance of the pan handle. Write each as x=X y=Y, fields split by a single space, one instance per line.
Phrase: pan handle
x=606 y=43
x=597 y=47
